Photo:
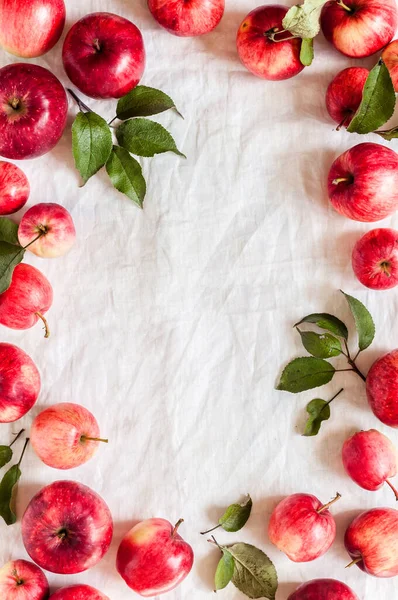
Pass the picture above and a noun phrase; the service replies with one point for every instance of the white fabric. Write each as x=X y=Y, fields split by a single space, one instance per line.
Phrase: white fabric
x=172 y=324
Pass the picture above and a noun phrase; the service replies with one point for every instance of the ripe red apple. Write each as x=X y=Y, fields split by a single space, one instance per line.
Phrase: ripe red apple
x=302 y=527
x=19 y=383
x=390 y=57
x=262 y=50
x=375 y=259
x=14 y=188
x=22 y=580
x=51 y=225
x=33 y=111
x=363 y=182
x=78 y=592
x=28 y=298
x=183 y=18
x=67 y=528
x=372 y=542
x=359 y=28
x=323 y=589
x=65 y=435
x=382 y=388
x=344 y=94
x=104 y=55
x=153 y=558
x=30 y=28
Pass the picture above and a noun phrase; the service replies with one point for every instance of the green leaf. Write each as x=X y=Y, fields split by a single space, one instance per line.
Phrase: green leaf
x=9 y=231
x=225 y=570
x=378 y=101
x=10 y=257
x=328 y=322
x=91 y=143
x=304 y=20
x=126 y=175
x=363 y=322
x=254 y=573
x=7 y=490
x=145 y=138
x=236 y=516
x=5 y=455
x=321 y=345
x=143 y=101
x=318 y=410
x=307 y=52
x=304 y=374
x=388 y=134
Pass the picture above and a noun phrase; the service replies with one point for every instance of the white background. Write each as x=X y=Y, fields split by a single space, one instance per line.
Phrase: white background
x=172 y=324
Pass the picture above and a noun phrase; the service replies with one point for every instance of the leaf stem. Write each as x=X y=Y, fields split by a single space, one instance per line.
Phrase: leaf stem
x=210 y=530
x=393 y=489
x=80 y=103
x=16 y=437
x=34 y=240
x=46 y=326
x=23 y=452
x=111 y=121
x=356 y=370
x=214 y=541
x=335 y=396
x=326 y=506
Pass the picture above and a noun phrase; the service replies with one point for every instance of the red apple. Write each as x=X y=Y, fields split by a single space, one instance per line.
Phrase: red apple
x=30 y=28
x=65 y=435
x=22 y=580
x=78 y=592
x=51 y=226
x=344 y=94
x=67 y=528
x=262 y=50
x=302 y=527
x=382 y=388
x=14 y=188
x=104 y=55
x=153 y=558
x=28 y=298
x=372 y=542
x=19 y=383
x=390 y=57
x=323 y=589
x=375 y=259
x=363 y=182
x=359 y=28
x=183 y=18
x=33 y=111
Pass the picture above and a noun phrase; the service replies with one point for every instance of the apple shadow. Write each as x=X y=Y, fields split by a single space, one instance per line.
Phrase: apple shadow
x=120 y=528
x=221 y=42
x=285 y=589
x=314 y=180
x=26 y=491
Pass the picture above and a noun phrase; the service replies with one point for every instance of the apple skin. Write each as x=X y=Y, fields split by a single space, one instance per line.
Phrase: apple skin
x=22 y=580
x=375 y=259
x=153 y=558
x=104 y=55
x=369 y=191
x=14 y=188
x=183 y=18
x=366 y=29
x=382 y=388
x=323 y=589
x=19 y=383
x=262 y=56
x=373 y=537
x=390 y=57
x=298 y=530
x=57 y=226
x=67 y=528
x=78 y=592
x=33 y=111
x=344 y=94
x=60 y=433
x=30 y=28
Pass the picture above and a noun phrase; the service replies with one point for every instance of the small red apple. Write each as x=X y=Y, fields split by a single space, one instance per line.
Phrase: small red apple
x=363 y=182
x=22 y=580
x=28 y=298
x=264 y=51
x=30 y=28
x=67 y=528
x=390 y=57
x=104 y=55
x=153 y=558
x=78 y=592
x=323 y=589
x=19 y=383
x=302 y=527
x=344 y=94
x=14 y=188
x=51 y=225
x=183 y=18
x=382 y=388
x=375 y=259
x=372 y=542
x=359 y=28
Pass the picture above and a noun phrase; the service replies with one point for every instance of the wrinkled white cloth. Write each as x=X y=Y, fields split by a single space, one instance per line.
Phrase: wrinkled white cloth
x=171 y=324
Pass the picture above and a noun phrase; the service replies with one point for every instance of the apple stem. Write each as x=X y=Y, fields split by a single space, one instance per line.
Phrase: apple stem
x=385 y=267
x=46 y=326
x=16 y=437
x=23 y=452
x=342 y=123
x=326 y=506
x=354 y=562
x=85 y=438
x=393 y=489
x=176 y=526
x=341 y=180
x=341 y=3
x=210 y=530
x=80 y=103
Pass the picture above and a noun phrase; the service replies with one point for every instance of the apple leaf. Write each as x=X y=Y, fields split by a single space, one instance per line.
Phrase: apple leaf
x=143 y=101
x=378 y=101
x=9 y=231
x=5 y=455
x=10 y=257
x=318 y=410
x=327 y=322
x=7 y=490
x=236 y=515
x=304 y=374
x=91 y=143
x=388 y=134
x=254 y=573
x=363 y=321
x=126 y=175
x=307 y=52
x=304 y=20
x=225 y=570
x=320 y=345
x=144 y=137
